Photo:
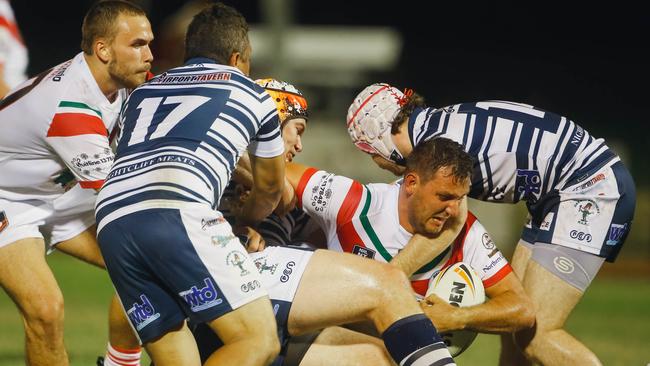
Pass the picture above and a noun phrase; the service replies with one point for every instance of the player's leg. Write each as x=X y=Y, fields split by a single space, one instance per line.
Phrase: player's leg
x=123 y=346
x=556 y=278
x=247 y=338
x=510 y=353
x=28 y=280
x=338 y=288
x=345 y=347
x=176 y=347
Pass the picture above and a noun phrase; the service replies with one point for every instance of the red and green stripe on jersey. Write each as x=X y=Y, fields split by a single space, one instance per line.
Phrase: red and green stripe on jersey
x=74 y=119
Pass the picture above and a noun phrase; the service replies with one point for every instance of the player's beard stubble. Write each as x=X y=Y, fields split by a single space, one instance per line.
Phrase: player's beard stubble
x=128 y=75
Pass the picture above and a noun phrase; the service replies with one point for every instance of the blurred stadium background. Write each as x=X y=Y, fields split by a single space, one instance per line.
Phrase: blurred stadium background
x=589 y=64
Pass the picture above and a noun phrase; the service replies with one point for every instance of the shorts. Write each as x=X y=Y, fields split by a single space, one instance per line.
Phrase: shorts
x=169 y=264
x=281 y=269
x=577 y=268
x=592 y=215
x=54 y=221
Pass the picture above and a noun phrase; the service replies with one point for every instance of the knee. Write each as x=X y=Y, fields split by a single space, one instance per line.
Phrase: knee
x=268 y=346
x=390 y=280
x=44 y=316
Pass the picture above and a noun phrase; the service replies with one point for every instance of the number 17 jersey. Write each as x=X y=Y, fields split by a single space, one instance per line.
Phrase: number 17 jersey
x=182 y=134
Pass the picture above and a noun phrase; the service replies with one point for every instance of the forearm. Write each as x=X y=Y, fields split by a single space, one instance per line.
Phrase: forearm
x=505 y=313
x=243 y=171
x=258 y=206
x=421 y=250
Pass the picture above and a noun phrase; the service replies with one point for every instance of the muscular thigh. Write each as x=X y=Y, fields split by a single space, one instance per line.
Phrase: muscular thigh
x=336 y=288
x=84 y=246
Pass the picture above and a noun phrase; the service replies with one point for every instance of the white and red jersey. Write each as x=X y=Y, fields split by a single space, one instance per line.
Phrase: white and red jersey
x=55 y=129
x=363 y=220
x=13 y=53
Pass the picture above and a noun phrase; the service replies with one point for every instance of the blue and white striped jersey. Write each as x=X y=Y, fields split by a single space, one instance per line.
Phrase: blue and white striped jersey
x=181 y=135
x=520 y=152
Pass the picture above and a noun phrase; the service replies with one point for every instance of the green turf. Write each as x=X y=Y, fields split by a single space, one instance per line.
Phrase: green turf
x=613 y=320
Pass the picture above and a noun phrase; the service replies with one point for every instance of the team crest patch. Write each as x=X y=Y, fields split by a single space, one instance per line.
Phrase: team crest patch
x=4 y=221
x=222 y=240
x=586 y=209
x=264 y=266
x=363 y=252
x=616 y=233
x=528 y=184
x=237 y=259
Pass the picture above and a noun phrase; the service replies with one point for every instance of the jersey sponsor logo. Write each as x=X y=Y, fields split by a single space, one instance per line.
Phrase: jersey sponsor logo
x=206 y=223
x=363 y=252
x=321 y=193
x=528 y=184
x=4 y=221
x=487 y=241
x=171 y=158
x=616 y=232
x=237 y=259
x=586 y=208
x=85 y=163
x=563 y=264
x=222 y=240
x=250 y=286
x=287 y=271
x=579 y=235
x=492 y=264
x=264 y=266
x=201 y=298
x=577 y=136
x=546 y=224
x=59 y=73
x=142 y=314
x=185 y=79
x=590 y=182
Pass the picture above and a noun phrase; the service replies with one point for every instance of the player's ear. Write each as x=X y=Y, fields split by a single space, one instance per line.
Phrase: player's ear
x=411 y=182
x=102 y=50
x=234 y=59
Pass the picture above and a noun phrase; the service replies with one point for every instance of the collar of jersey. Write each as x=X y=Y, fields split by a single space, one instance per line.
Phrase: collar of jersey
x=208 y=62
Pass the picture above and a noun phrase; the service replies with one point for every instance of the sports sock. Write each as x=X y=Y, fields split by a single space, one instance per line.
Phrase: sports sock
x=414 y=341
x=122 y=357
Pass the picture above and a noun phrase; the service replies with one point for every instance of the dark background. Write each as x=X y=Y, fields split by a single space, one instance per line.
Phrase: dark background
x=588 y=63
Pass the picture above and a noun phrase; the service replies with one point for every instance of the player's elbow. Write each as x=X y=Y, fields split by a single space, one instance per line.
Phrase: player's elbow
x=525 y=314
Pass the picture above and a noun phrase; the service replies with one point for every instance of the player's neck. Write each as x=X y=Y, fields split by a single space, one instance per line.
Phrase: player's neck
x=99 y=70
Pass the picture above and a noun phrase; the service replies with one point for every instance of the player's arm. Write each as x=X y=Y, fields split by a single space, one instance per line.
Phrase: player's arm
x=421 y=250
x=508 y=309
x=268 y=180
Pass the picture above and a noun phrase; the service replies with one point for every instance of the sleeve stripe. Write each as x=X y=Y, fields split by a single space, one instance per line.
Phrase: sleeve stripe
x=497 y=276
x=75 y=124
x=345 y=230
x=306 y=176
x=12 y=28
x=95 y=184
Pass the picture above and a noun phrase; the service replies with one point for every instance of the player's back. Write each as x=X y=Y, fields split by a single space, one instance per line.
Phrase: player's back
x=521 y=152
x=182 y=134
x=43 y=120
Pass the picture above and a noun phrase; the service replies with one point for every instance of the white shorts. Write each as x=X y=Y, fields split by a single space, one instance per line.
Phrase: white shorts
x=54 y=221
x=281 y=269
x=593 y=215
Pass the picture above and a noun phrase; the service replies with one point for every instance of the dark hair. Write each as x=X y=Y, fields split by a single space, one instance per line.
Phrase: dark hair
x=217 y=32
x=428 y=157
x=411 y=102
x=100 y=21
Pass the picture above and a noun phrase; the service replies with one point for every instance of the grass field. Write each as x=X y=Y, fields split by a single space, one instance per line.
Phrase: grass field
x=613 y=320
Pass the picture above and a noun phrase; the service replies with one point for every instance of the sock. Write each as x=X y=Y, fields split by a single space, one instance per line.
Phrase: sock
x=122 y=357
x=414 y=341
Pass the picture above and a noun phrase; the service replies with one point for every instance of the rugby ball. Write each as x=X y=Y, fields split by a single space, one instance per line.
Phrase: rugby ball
x=459 y=285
